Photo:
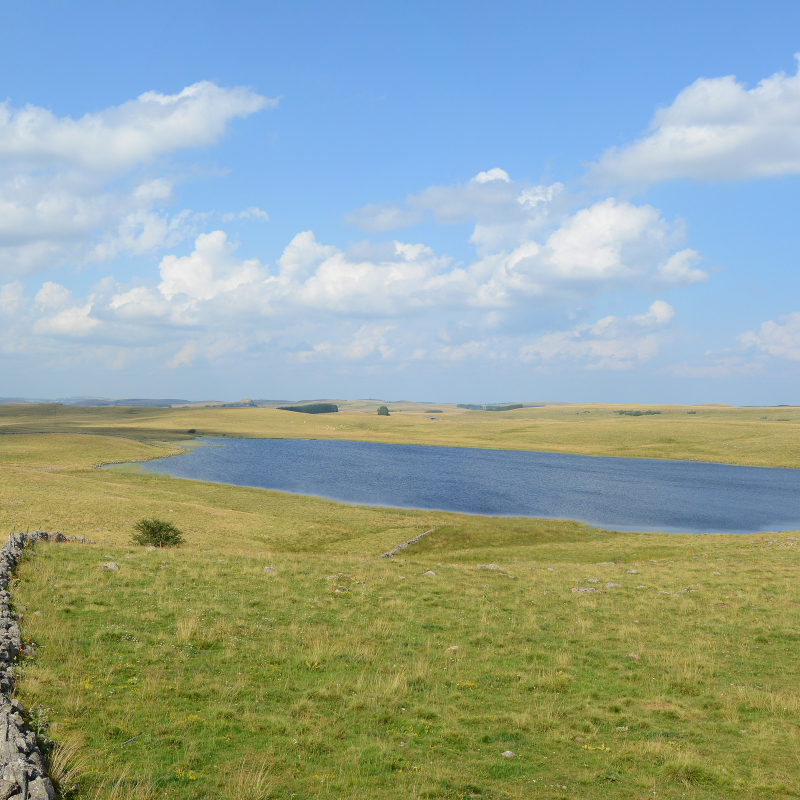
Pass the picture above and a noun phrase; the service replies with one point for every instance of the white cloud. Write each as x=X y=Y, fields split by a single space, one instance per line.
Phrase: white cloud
x=11 y=297
x=73 y=321
x=609 y=343
x=117 y=139
x=68 y=187
x=184 y=356
x=781 y=340
x=503 y=210
x=210 y=270
x=495 y=174
x=716 y=129
x=53 y=295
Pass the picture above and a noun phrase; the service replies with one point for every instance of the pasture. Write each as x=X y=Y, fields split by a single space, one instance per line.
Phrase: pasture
x=193 y=673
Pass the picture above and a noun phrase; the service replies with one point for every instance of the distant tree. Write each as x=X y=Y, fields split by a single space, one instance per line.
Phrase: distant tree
x=383 y=411
x=157 y=532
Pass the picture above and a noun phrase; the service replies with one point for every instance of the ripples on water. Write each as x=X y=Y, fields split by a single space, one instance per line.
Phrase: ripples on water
x=618 y=493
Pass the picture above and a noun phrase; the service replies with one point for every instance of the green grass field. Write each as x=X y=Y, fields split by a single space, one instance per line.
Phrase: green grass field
x=192 y=673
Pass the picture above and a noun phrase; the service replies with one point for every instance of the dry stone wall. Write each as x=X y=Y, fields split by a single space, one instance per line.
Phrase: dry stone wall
x=22 y=772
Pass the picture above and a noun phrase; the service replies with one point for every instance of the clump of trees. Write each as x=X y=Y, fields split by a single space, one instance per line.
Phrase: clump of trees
x=157 y=533
x=638 y=413
x=312 y=408
x=383 y=411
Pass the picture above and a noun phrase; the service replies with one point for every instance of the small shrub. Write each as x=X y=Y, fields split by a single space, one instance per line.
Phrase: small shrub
x=157 y=532
x=192 y=430
x=383 y=411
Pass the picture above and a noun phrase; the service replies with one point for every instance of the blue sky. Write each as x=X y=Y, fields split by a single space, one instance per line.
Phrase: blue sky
x=449 y=201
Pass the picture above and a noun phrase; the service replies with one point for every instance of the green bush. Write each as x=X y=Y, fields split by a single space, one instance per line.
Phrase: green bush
x=192 y=430
x=157 y=532
x=383 y=411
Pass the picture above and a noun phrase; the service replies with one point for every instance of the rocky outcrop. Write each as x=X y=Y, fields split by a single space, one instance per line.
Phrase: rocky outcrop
x=22 y=772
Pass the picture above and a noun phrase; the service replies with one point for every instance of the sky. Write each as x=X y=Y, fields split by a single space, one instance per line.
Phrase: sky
x=435 y=201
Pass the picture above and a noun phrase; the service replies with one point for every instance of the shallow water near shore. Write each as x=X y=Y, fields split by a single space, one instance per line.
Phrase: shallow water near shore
x=615 y=493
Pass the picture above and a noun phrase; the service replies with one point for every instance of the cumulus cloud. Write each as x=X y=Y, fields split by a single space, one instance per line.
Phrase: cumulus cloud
x=503 y=210
x=610 y=343
x=70 y=189
x=776 y=338
x=716 y=129
x=115 y=140
x=495 y=174
x=210 y=270
x=538 y=258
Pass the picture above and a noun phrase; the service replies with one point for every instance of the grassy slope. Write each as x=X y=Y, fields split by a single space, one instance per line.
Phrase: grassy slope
x=222 y=670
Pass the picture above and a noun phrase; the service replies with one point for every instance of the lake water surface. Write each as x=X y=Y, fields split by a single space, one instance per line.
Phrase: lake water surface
x=616 y=493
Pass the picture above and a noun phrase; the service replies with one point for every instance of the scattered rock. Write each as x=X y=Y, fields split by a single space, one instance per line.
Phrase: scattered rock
x=633 y=657
x=430 y=573
x=631 y=571
x=152 y=549
x=583 y=589
x=489 y=566
x=163 y=566
x=453 y=649
x=335 y=577
x=622 y=727
x=339 y=590
x=269 y=570
x=551 y=569
x=641 y=587
x=605 y=564
x=613 y=585
x=685 y=591
x=592 y=580
x=111 y=566
x=507 y=754
x=37 y=613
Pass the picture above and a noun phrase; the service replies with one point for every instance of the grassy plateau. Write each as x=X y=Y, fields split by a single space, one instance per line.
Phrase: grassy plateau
x=194 y=673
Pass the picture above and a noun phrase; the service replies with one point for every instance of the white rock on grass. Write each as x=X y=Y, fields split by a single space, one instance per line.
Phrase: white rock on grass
x=583 y=590
x=269 y=570
x=507 y=754
x=453 y=649
x=430 y=573
x=111 y=566
x=613 y=585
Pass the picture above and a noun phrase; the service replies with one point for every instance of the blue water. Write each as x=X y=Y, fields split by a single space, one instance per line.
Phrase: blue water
x=616 y=493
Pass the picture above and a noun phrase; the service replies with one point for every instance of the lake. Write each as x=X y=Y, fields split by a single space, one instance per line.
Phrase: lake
x=616 y=493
